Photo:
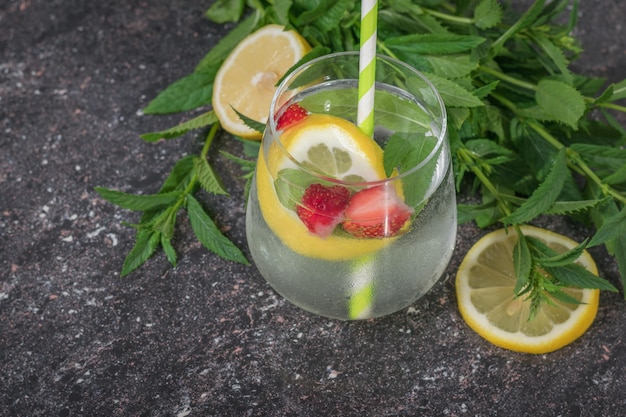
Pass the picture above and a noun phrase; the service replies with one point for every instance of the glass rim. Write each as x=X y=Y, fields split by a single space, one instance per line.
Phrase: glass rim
x=355 y=54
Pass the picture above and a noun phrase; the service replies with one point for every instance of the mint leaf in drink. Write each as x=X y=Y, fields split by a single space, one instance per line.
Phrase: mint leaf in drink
x=402 y=153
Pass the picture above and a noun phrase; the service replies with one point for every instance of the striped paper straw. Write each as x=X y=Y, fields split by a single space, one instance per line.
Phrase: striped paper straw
x=367 y=66
x=362 y=288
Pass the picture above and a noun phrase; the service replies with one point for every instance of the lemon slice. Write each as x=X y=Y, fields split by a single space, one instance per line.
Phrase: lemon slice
x=485 y=283
x=331 y=146
x=246 y=81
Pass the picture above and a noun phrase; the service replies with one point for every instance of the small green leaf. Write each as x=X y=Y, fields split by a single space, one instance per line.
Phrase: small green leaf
x=207 y=178
x=252 y=124
x=223 y=11
x=522 y=263
x=453 y=94
x=433 y=44
x=564 y=258
x=209 y=235
x=574 y=275
x=198 y=122
x=187 y=93
x=179 y=176
x=170 y=253
x=612 y=227
x=544 y=196
x=146 y=243
x=452 y=66
x=555 y=54
x=290 y=185
x=619 y=251
x=571 y=275
x=561 y=101
x=569 y=207
x=216 y=55
x=619 y=91
x=404 y=152
x=527 y=19
x=137 y=202
x=469 y=212
x=165 y=222
x=487 y=14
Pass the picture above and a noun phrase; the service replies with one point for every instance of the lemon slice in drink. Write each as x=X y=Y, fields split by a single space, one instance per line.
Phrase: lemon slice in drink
x=330 y=146
x=246 y=81
x=485 y=283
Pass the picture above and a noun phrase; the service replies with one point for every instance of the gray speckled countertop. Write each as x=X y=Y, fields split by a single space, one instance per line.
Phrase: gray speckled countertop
x=209 y=337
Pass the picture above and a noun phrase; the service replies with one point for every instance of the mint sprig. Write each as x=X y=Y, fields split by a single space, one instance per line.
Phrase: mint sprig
x=529 y=136
x=160 y=211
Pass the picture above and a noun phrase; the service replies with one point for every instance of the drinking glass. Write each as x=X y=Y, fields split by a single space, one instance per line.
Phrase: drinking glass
x=369 y=267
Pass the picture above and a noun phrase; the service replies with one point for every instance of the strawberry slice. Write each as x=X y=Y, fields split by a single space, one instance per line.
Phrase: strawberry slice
x=376 y=212
x=322 y=208
x=291 y=116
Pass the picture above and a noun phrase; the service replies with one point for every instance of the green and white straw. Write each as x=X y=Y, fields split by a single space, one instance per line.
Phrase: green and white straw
x=367 y=66
x=362 y=285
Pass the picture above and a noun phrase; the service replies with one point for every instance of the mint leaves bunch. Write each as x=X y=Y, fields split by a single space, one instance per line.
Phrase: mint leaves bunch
x=529 y=136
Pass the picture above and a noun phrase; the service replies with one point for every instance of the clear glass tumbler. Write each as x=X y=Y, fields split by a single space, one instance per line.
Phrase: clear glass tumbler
x=343 y=224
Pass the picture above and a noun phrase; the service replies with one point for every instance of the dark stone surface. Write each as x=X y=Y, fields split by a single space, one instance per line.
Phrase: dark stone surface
x=209 y=337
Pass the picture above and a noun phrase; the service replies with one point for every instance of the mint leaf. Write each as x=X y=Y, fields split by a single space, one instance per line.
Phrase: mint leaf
x=556 y=57
x=198 y=122
x=223 y=11
x=552 y=94
x=207 y=178
x=146 y=243
x=251 y=123
x=179 y=176
x=187 y=93
x=569 y=207
x=209 y=235
x=214 y=58
x=611 y=228
x=487 y=14
x=544 y=196
x=453 y=94
x=522 y=263
x=170 y=253
x=570 y=275
x=290 y=184
x=137 y=202
x=405 y=151
x=433 y=44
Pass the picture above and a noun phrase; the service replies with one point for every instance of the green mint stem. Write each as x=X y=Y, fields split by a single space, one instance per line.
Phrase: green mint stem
x=507 y=78
x=449 y=18
x=203 y=154
x=468 y=158
x=611 y=106
x=575 y=158
x=209 y=140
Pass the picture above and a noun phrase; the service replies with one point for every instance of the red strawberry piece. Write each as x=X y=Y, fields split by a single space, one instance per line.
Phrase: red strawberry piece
x=376 y=212
x=292 y=115
x=322 y=207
